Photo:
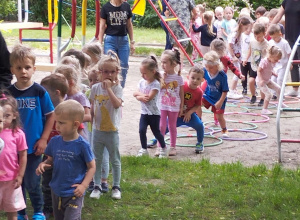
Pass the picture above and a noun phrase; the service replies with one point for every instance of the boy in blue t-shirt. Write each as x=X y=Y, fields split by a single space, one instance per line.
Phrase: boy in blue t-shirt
x=72 y=160
x=36 y=113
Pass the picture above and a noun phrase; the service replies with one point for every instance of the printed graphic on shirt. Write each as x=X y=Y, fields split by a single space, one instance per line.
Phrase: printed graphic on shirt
x=106 y=123
x=29 y=103
x=169 y=93
x=118 y=17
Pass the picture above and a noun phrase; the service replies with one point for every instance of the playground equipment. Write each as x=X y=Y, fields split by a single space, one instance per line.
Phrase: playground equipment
x=280 y=109
x=139 y=8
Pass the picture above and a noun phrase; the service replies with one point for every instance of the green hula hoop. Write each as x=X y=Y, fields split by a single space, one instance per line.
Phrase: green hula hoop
x=220 y=141
x=253 y=126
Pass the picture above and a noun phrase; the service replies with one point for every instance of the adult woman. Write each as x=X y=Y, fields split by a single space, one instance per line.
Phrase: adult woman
x=115 y=22
x=291 y=10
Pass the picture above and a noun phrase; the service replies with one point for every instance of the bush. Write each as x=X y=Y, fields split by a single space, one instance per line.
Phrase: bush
x=8 y=7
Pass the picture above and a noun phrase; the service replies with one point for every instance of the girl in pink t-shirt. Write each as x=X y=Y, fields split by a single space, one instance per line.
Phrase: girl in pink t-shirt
x=13 y=158
x=263 y=80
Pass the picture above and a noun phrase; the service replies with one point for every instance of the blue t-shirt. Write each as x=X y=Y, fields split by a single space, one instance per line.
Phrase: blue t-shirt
x=215 y=87
x=69 y=163
x=34 y=104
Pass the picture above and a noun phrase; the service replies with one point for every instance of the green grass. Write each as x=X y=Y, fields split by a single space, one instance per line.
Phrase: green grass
x=166 y=189
x=141 y=35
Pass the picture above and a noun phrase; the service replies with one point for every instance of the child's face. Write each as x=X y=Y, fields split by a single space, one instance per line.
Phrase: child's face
x=212 y=69
x=260 y=37
x=66 y=127
x=1 y=120
x=8 y=116
x=257 y=15
x=108 y=71
x=195 y=80
x=245 y=27
x=273 y=59
x=93 y=79
x=23 y=70
x=219 y=15
x=276 y=36
x=166 y=64
x=147 y=74
x=228 y=14
x=249 y=29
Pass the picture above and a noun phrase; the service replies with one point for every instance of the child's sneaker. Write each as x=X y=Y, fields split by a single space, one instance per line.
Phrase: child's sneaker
x=292 y=93
x=266 y=112
x=225 y=133
x=96 y=193
x=244 y=92
x=104 y=187
x=91 y=186
x=172 y=151
x=164 y=152
x=274 y=97
x=261 y=102
x=157 y=152
x=22 y=217
x=152 y=143
x=199 y=148
x=116 y=193
x=253 y=99
x=38 y=216
x=142 y=152
x=48 y=212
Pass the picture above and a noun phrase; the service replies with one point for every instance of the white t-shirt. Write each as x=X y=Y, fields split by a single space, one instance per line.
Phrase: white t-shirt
x=151 y=107
x=245 y=43
x=106 y=117
x=218 y=25
x=286 y=51
x=258 y=52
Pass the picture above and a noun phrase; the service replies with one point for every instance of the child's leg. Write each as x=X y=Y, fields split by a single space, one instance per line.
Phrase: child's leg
x=105 y=166
x=245 y=70
x=98 y=150
x=252 y=86
x=47 y=176
x=154 y=125
x=197 y=124
x=234 y=83
x=163 y=122
x=12 y=215
x=221 y=120
x=143 y=130
x=266 y=95
x=172 y=120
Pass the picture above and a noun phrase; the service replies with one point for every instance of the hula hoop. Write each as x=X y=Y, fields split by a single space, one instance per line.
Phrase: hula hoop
x=263 y=135
x=266 y=118
x=296 y=100
x=254 y=126
x=220 y=141
x=271 y=105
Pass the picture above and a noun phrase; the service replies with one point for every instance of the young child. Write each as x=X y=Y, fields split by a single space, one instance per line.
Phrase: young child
x=217 y=88
x=264 y=73
x=235 y=50
x=1 y=141
x=93 y=50
x=219 y=14
x=57 y=87
x=106 y=100
x=228 y=24
x=35 y=106
x=68 y=153
x=277 y=40
x=257 y=51
x=171 y=96
x=208 y=31
x=13 y=158
x=260 y=11
x=148 y=94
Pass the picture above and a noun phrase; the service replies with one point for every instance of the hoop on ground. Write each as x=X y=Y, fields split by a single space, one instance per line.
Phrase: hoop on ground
x=263 y=135
x=220 y=141
x=253 y=126
x=266 y=118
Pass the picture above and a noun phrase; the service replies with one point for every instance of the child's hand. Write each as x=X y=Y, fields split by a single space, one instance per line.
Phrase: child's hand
x=18 y=181
x=275 y=74
x=244 y=63
x=41 y=168
x=180 y=113
x=107 y=84
x=79 y=191
x=40 y=146
x=218 y=105
x=243 y=77
x=187 y=117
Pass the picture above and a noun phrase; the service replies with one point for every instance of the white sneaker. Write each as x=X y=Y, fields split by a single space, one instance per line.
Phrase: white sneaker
x=164 y=152
x=234 y=95
x=116 y=193
x=172 y=151
x=96 y=193
x=292 y=93
x=230 y=94
x=266 y=112
x=157 y=152
x=142 y=152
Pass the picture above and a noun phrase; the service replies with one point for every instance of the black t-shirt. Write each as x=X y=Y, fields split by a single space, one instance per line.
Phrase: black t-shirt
x=5 y=74
x=292 y=19
x=116 y=18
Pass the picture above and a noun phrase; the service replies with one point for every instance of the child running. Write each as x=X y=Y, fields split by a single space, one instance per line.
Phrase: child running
x=106 y=100
x=68 y=153
x=228 y=24
x=148 y=94
x=217 y=88
x=264 y=74
x=13 y=158
x=171 y=96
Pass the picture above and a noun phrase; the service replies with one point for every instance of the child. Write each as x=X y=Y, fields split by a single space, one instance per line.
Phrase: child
x=257 y=51
x=208 y=31
x=273 y=12
x=106 y=100
x=264 y=73
x=1 y=141
x=219 y=13
x=228 y=24
x=277 y=40
x=13 y=158
x=217 y=88
x=171 y=96
x=68 y=153
x=57 y=87
x=93 y=50
x=260 y=11
x=148 y=94
x=235 y=50
x=35 y=106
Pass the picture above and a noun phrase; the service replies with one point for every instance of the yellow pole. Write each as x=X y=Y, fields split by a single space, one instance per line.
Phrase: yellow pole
x=55 y=12
x=50 y=11
x=83 y=20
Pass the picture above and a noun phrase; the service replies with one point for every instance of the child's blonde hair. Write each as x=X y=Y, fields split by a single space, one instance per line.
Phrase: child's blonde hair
x=274 y=51
x=197 y=69
x=243 y=21
x=78 y=54
x=151 y=64
x=174 y=57
x=112 y=58
x=229 y=8
x=72 y=61
x=56 y=82
x=211 y=58
x=201 y=7
x=71 y=110
x=219 y=9
x=21 y=52
x=70 y=73
x=219 y=46
x=208 y=16
x=93 y=49
x=274 y=29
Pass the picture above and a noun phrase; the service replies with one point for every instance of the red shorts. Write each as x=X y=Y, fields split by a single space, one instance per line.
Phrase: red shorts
x=213 y=108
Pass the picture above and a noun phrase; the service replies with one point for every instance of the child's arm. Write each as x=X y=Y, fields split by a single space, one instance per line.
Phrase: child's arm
x=116 y=102
x=41 y=144
x=80 y=188
x=224 y=32
x=181 y=94
x=47 y=164
x=232 y=67
x=22 y=167
x=219 y=103
x=87 y=115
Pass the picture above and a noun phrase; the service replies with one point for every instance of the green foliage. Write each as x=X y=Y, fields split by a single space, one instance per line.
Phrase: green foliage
x=7 y=7
x=149 y=20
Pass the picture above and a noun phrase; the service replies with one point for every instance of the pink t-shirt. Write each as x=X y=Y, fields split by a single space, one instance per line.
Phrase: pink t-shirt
x=266 y=70
x=13 y=143
x=169 y=94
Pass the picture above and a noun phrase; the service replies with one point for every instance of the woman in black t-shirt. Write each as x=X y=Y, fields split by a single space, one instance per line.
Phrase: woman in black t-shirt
x=115 y=23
